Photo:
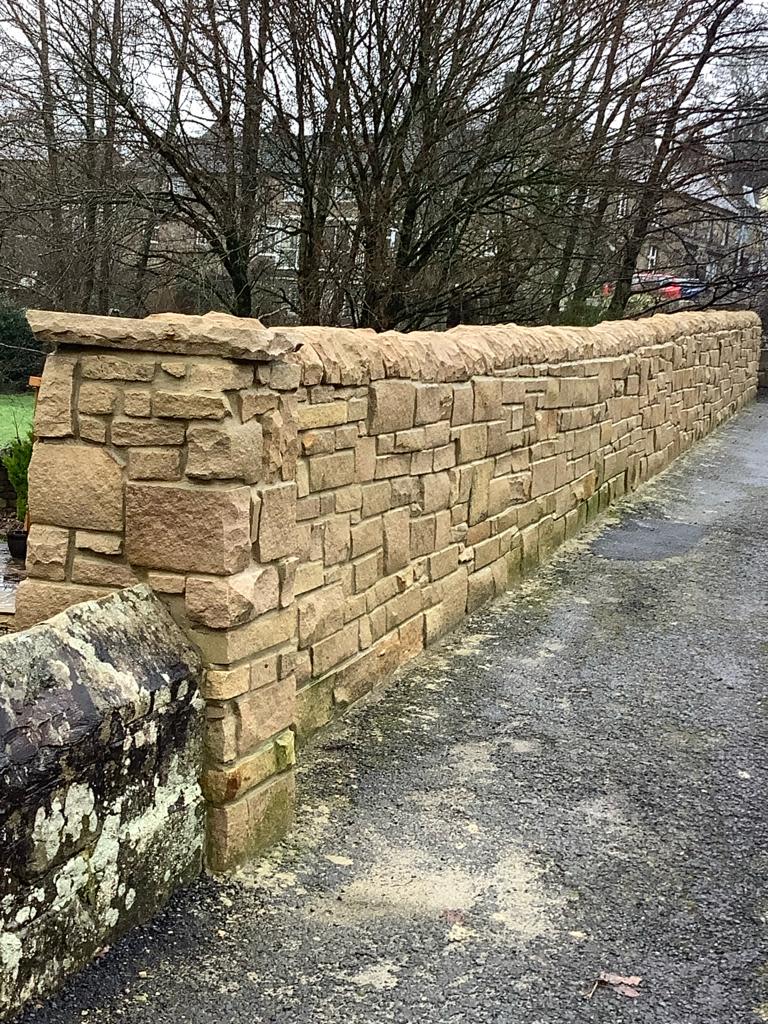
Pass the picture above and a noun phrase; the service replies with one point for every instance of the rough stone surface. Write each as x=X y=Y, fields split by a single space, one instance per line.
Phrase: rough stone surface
x=38 y=599
x=216 y=334
x=226 y=601
x=573 y=782
x=75 y=485
x=226 y=452
x=188 y=530
x=101 y=813
x=47 y=549
x=53 y=411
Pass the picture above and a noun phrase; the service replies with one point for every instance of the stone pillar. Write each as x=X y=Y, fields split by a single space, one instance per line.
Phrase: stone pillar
x=166 y=454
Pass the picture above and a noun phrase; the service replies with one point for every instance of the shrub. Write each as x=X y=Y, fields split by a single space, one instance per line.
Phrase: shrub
x=16 y=458
x=21 y=355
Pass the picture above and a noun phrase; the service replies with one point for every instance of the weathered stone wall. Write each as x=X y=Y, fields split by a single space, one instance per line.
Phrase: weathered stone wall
x=316 y=505
x=101 y=814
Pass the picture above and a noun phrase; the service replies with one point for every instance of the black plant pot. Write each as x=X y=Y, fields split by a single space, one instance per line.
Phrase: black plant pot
x=17 y=544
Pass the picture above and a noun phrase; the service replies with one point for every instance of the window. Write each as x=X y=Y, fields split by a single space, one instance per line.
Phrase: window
x=622 y=207
x=652 y=258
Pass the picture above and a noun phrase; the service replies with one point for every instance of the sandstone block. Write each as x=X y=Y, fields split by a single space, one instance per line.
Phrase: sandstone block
x=368 y=571
x=487 y=398
x=543 y=477
x=227 y=452
x=277 y=523
x=47 y=549
x=412 y=440
x=154 y=463
x=337 y=470
x=463 y=404
x=264 y=669
x=53 y=412
x=99 y=543
x=391 y=406
x=422 y=536
x=326 y=414
x=281 y=441
x=238 y=831
x=442 y=563
x=99 y=367
x=349 y=498
x=92 y=429
x=396 y=529
x=224 y=784
x=75 y=485
x=318 y=442
x=284 y=376
x=433 y=402
x=262 y=713
x=218 y=375
x=336 y=540
x=224 y=684
x=365 y=459
x=225 y=647
x=37 y=600
x=167 y=582
x=146 y=433
x=403 y=607
x=472 y=442
x=221 y=602
x=321 y=613
x=366 y=536
x=187 y=405
x=482 y=475
x=346 y=436
x=482 y=588
x=309 y=575
x=335 y=649
x=436 y=491
x=377 y=498
x=97 y=399
x=174 y=369
x=188 y=529
x=97 y=573
x=256 y=403
x=137 y=403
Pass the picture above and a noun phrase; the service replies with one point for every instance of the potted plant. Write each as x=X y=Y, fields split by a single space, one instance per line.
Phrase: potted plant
x=16 y=458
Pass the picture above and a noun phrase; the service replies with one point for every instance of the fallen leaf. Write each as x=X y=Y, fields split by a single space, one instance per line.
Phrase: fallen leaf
x=622 y=985
x=627 y=990
x=619 y=979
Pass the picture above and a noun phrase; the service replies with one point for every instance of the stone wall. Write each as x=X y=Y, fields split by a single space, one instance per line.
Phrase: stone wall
x=316 y=505
x=101 y=814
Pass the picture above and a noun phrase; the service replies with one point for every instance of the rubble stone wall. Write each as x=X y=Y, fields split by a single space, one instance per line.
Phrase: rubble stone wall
x=101 y=814
x=316 y=505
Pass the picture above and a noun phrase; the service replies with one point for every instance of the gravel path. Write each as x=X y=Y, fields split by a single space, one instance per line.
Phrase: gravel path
x=574 y=782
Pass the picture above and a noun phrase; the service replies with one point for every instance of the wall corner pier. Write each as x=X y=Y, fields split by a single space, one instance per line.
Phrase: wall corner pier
x=316 y=505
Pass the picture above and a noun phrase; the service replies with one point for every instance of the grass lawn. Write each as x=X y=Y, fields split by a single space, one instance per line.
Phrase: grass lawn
x=15 y=416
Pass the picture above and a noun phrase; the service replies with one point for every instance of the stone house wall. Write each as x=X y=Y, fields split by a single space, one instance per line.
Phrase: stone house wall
x=316 y=505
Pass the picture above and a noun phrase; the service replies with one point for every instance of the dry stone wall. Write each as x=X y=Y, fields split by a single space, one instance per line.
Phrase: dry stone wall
x=316 y=505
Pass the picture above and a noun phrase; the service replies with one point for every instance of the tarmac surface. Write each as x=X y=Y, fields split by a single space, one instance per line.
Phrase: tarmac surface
x=573 y=782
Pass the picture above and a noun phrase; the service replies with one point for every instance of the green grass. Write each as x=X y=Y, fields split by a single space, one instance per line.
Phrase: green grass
x=15 y=416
